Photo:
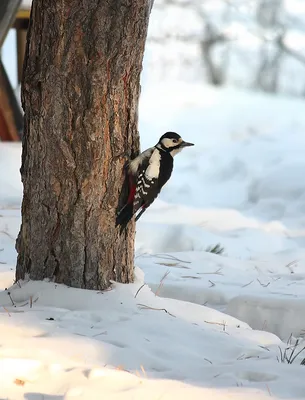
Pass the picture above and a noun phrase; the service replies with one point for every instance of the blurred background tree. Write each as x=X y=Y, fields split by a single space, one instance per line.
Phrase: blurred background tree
x=256 y=44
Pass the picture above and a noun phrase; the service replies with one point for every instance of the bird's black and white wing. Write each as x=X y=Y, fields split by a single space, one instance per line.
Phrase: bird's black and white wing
x=150 y=180
x=142 y=160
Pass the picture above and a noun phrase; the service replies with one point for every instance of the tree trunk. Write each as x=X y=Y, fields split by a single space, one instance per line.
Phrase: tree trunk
x=80 y=97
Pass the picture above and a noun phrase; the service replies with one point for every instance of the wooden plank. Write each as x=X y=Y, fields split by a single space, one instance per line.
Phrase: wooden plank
x=11 y=116
x=8 y=11
x=23 y=14
x=4 y=132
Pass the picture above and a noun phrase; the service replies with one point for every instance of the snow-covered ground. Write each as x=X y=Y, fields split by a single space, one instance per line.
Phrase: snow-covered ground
x=242 y=186
x=219 y=324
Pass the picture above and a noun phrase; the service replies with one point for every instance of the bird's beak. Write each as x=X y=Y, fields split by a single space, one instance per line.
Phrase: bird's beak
x=186 y=144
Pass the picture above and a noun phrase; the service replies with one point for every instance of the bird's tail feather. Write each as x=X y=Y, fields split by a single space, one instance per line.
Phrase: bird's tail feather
x=125 y=215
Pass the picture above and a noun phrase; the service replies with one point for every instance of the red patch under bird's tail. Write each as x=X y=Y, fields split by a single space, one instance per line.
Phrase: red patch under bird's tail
x=126 y=213
x=132 y=191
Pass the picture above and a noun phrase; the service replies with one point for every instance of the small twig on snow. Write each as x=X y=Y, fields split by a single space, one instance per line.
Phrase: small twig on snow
x=162 y=282
x=7 y=234
x=264 y=347
x=292 y=264
x=218 y=272
x=247 y=284
x=190 y=277
x=141 y=287
x=262 y=284
x=212 y=284
x=170 y=257
x=98 y=334
x=269 y=391
x=155 y=309
x=28 y=302
x=6 y=311
x=9 y=294
x=143 y=370
x=223 y=324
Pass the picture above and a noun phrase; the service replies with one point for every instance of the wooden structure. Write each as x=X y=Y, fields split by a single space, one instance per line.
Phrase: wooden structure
x=13 y=14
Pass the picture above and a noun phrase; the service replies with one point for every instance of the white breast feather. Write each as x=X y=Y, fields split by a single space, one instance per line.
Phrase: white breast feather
x=175 y=152
x=135 y=163
x=152 y=170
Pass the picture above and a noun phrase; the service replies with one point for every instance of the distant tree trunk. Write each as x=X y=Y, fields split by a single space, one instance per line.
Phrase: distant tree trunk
x=80 y=97
x=215 y=72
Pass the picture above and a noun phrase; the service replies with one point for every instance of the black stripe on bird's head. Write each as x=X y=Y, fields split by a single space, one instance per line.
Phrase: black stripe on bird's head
x=172 y=143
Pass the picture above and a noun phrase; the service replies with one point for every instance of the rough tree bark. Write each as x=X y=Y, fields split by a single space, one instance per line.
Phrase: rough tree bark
x=80 y=97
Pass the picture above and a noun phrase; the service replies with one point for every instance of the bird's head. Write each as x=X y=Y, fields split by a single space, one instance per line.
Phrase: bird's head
x=172 y=143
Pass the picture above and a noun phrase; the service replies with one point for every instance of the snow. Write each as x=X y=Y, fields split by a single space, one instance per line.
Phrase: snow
x=241 y=187
x=75 y=343
x=194 y=323
x=11 y=189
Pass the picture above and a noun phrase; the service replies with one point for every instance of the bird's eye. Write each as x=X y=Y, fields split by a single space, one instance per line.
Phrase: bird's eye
x=175 y=140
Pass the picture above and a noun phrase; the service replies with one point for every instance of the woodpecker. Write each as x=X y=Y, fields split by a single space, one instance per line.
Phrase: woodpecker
x=148 y=173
